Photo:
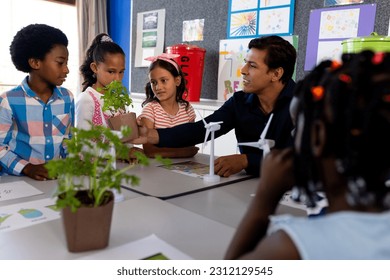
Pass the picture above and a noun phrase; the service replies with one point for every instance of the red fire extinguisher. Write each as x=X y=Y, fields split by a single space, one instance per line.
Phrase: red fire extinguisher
x=191 y=62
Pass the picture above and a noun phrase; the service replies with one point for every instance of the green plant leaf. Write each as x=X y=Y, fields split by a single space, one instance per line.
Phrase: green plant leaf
x=89 y=166
x=116 y=98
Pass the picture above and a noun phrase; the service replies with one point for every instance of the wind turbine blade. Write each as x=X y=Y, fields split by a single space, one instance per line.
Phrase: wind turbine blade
x=250 y=144
x=200 y=115
x=204 y=122
x=264 y=132
x=206 y=136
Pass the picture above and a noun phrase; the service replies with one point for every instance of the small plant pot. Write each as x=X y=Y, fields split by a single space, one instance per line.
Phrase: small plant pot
x=128 y=119
x=89 y=227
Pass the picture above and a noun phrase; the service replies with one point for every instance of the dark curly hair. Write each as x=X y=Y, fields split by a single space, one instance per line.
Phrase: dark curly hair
x=353 y=101
x=96 y=53
x=181 y=90
x=34 y=41
x=280 y=53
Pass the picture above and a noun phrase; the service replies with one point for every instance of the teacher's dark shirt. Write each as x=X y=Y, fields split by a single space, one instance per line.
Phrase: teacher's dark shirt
x=242 y=113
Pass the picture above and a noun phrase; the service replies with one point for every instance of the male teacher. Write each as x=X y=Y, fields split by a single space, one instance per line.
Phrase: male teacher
x=267 y=88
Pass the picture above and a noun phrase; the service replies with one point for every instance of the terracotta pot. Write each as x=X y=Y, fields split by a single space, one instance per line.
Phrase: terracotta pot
x=89 y=227
x=128 y=119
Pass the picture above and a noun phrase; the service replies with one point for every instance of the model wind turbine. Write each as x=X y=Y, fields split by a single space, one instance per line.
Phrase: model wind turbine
x=263 y=144
x=211 y=127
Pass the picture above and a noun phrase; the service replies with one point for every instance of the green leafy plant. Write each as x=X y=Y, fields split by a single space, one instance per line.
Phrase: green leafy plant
x=89 y=167
x=116 y=98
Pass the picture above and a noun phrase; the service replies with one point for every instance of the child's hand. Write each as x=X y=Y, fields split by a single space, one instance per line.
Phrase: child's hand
x=133 y=154
x=146 y=136
x=36 y=172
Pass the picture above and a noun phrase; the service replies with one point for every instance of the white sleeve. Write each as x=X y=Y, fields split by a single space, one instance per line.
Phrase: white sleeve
x=84 y=111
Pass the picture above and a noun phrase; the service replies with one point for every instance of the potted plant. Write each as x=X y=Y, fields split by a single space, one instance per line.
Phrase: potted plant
x=117 y=100
x=86 y=178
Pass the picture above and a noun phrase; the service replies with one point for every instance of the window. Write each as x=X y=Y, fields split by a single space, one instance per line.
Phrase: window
x=19 y=13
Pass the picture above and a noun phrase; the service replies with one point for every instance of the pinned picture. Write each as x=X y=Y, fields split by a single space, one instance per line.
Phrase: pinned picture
x=275 y=21
x=329 y=27
x=150 y=36
x=341 y=2
x=150 y=20
x=240 y=5
x=193 y=30
x=243 y=24
x=251 y=18
x=273 y=3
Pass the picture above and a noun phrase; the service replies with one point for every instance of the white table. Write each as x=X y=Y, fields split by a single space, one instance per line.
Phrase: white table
x=163 y=183
x=47 y=187
x=227 y=204
x=193 y=234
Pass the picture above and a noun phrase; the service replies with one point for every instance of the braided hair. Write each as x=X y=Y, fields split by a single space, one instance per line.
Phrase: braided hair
x=181 y=90
x=353 y=100
x=100 y=46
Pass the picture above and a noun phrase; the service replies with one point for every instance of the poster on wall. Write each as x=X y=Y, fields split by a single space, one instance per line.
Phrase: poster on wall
x=252 y=18
x=328 y=27
x=232 y=53
x=193 y=30
x=341 y=2
x=150 y=36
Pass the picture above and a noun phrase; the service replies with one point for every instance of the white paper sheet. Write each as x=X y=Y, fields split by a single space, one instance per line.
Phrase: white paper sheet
x=26 y=214
x=141 y=249
x=17 y=189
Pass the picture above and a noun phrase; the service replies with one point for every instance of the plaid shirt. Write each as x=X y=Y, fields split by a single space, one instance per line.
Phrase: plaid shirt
x=32 y=131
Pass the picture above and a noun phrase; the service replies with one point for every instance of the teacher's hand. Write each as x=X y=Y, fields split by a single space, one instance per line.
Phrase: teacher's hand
x=226 y=166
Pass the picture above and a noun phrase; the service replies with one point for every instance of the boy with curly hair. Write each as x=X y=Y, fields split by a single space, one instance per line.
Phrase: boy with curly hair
x=36 y=116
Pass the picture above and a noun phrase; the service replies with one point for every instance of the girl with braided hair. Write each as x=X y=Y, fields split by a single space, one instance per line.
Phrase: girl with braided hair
x=104 y=62
x=341 y=148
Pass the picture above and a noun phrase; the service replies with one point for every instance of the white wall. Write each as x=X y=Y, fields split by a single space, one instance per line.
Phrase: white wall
x=16 y=14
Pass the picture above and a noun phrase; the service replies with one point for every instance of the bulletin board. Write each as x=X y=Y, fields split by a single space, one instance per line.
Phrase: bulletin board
x=215 y=15
x=248 y=18
x=338 y=24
